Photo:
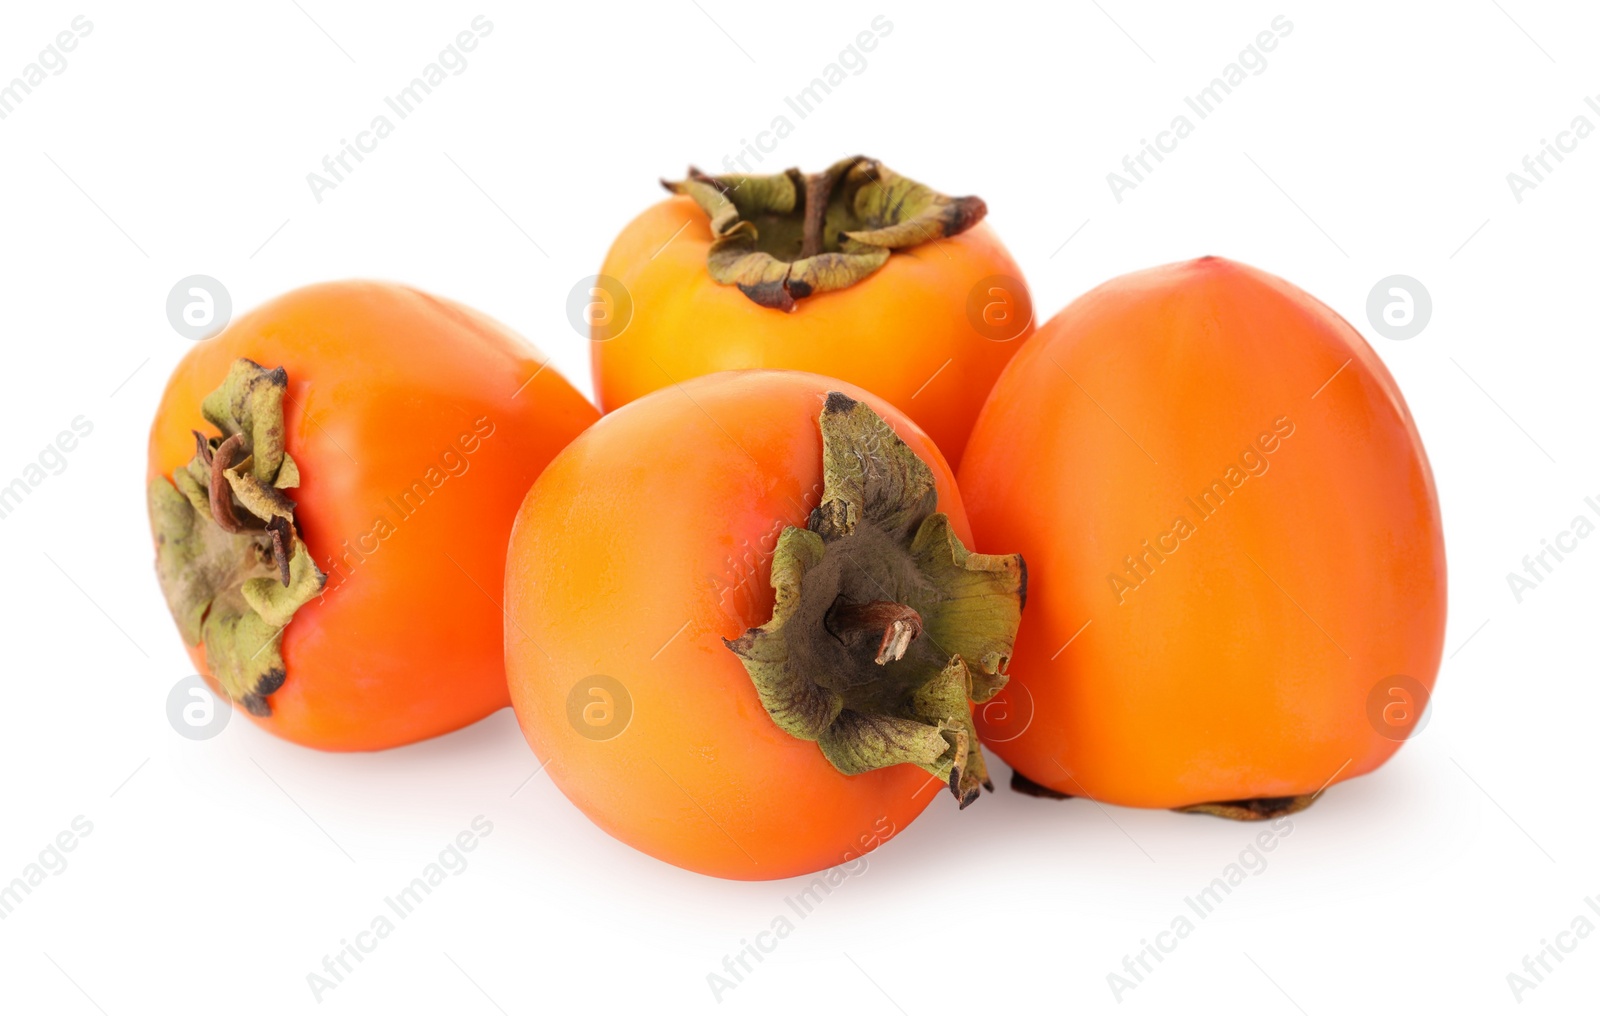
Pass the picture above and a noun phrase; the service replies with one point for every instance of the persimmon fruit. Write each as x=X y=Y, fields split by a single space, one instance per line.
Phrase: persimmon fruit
x=856 y=273
x=743 y=629
x=1238 y=590
x=331 y=483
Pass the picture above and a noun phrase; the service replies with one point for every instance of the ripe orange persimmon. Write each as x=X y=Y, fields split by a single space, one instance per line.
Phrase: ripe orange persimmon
x=856 y=273
x=1239 y=573
x=334 y=555
x=718 y=575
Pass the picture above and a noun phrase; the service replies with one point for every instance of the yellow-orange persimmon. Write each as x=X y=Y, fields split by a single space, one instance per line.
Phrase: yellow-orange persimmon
x=855 y=273
x=1238 y=572
x=701 y=716
x=332 y=480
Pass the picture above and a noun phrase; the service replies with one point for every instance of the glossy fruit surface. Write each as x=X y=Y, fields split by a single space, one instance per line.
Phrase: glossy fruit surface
x=929 y=330
x=1234 y=540
x=641 y=549
x=416 y=425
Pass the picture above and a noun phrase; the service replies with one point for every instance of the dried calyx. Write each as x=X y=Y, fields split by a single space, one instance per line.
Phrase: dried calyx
x=783 y=237
x=1254 y=809
x=885 y=626
x=231 y=563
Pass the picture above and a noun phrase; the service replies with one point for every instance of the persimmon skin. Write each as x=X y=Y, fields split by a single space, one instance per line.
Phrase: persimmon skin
x=902 y=333
x=384 y=381
x=1239 y=665
x=643 y=545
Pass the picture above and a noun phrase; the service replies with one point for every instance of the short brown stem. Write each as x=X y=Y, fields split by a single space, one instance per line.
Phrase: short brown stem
x=895 y=625
x=818 y=188
x=221 y=493
x=282 y=539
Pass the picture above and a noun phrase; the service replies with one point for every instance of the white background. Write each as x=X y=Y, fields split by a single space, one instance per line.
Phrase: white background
x=1376 y=141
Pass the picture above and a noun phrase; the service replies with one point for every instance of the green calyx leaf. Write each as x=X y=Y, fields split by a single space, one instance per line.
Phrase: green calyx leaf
x=783 y=237
x=229 y=558
x=885 y=628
